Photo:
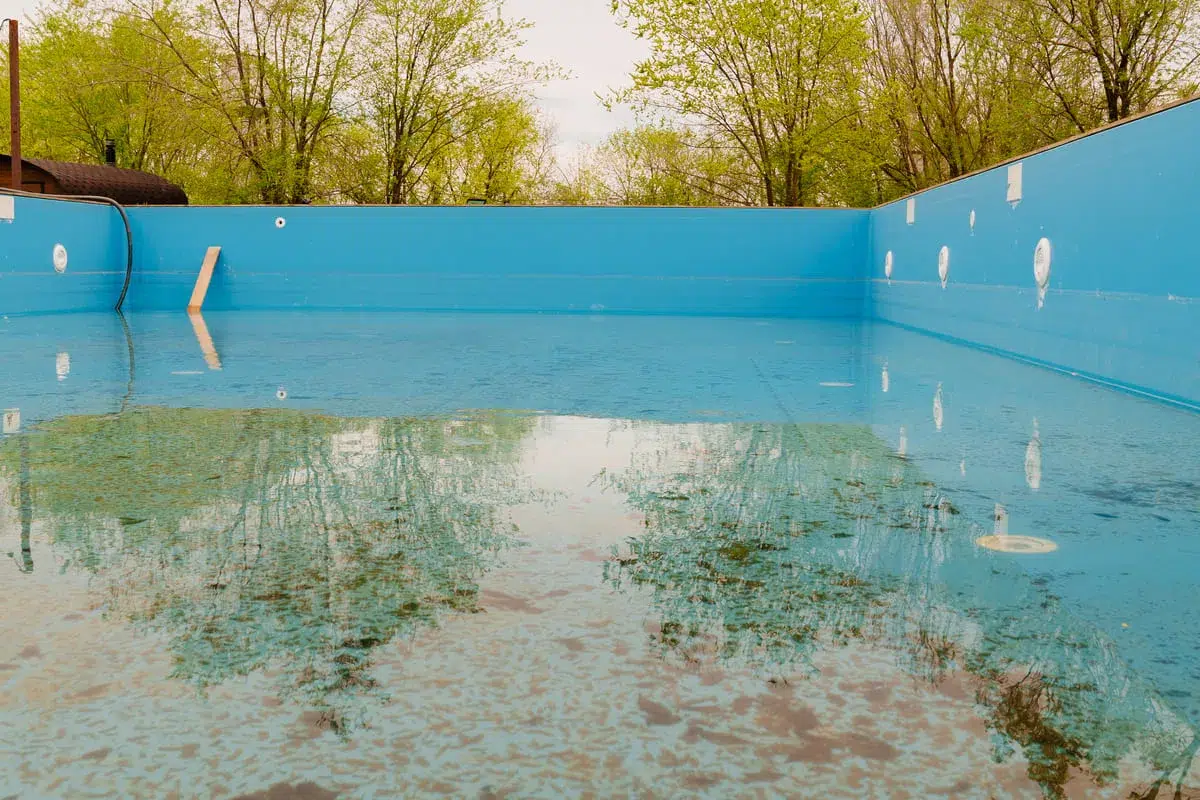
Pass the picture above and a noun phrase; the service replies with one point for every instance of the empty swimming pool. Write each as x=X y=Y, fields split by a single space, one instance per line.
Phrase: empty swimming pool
x=500 y=555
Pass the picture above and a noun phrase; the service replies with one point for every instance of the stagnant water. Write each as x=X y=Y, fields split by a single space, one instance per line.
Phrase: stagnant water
x=388 y=555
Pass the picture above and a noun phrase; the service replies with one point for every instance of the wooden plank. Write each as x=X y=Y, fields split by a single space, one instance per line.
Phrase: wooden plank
x=204 y=339
x=205 y=277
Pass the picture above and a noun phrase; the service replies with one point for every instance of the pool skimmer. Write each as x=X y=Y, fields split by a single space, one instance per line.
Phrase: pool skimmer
x=1020 y=545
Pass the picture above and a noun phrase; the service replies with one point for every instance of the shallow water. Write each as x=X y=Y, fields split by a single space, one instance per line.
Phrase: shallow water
x=397 y=555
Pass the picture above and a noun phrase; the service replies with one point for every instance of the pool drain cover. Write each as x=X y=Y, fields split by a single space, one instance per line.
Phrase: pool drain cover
x=1023 y=545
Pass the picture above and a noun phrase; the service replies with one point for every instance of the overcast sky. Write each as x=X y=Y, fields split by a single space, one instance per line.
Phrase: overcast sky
x=584 y=38
x=579 y=35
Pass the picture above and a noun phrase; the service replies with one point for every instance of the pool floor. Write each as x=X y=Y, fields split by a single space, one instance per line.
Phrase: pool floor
x=381 y=555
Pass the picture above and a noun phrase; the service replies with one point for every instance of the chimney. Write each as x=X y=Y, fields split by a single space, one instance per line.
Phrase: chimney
x=110 y=152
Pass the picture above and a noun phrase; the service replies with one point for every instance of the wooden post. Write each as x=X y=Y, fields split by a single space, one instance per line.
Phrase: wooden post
x=14 y=100
x=204 y=278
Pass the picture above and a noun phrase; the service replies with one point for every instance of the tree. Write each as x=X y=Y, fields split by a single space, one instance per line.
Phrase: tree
x=774 y=78
x=91 y=75
x=433 y=69
x=578 y=182
x=654 y=165
x=1105 y=60
x=944 y=97
x=503 y=155
x=272 y=71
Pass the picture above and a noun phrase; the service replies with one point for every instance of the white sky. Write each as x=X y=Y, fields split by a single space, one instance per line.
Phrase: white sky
x=581 y=36
x=584 y=38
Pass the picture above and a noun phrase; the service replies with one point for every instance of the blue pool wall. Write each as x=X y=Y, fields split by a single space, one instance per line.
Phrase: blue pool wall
x=1120 y=208
x=94 y=238
x=729 y=262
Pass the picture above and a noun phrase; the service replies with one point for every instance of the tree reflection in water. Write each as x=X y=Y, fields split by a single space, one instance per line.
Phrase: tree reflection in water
x=274 y=539
x=764 y=544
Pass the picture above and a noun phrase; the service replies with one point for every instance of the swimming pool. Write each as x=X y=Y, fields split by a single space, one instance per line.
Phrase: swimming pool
x=486 y=555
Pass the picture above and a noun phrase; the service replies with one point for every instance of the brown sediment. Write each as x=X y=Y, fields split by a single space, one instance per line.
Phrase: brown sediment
x=702 y=781
x=853 y=778
x=313 y=724
x=703 y=708
x=869 y=747
x=657 y=714
x=30 y=651
x=695 y=732
x=780 y=716
x=491 y=599
x=954 y=686
x=877 y=694
x=810 y=750
x=671 y=759
x=92 y=692
x=99 y=754
x=574 y=644
x=762 y=776
x=742 y=704
x=287 y=791
x=957 y=790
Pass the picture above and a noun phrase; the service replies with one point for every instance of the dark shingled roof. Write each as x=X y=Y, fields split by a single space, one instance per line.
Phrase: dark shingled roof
x=126 y=186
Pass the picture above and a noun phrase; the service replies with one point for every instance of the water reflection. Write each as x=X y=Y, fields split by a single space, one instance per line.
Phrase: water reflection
x=273 y=539
x=793 y=539
x=297 y=544
x=204 y=339
x=1033 y=459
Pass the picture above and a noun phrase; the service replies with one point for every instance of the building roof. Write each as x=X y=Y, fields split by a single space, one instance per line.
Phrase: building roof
x=126 y=186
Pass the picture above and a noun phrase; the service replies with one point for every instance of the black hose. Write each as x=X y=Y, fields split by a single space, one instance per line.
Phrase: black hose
x=90 y=198
x=132 y=363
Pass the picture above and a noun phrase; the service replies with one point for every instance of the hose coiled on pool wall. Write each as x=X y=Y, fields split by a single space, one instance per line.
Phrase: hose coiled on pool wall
x=92 y=198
